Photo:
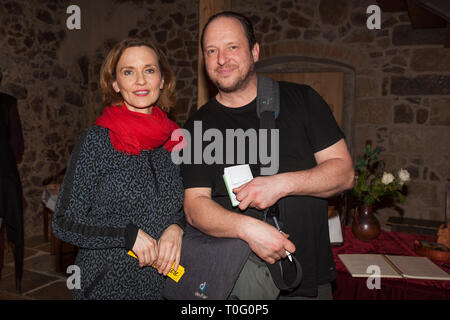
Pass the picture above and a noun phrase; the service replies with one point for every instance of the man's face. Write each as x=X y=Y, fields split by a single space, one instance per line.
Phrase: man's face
x=229 y=61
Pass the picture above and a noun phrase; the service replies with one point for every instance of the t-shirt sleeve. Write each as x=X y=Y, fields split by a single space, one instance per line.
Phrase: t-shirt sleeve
x=194 y=175
x=321 y=126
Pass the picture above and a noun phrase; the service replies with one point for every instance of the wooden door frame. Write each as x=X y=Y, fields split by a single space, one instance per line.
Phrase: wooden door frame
x=206 y=9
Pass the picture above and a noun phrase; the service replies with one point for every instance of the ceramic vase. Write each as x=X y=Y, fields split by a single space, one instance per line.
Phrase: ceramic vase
x=365 y=225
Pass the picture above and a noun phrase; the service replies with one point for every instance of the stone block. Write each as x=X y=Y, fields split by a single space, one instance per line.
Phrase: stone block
x=333 y=12
x=406 y=140
x=430 y=59
x=403 y=114
x=293 y=34
x=424 y=194
x=175 y=44
x=425 y=141
x=405 y=35
x=18 y=91
x=74 y=98
x=297 y=20
x=182 y=106
x=440 y=112
x=44 y=16
x=178 y=17
x=360 y=36
x=374 y=111
x=13 y=8
x=367 y=87
x=439 y=165
x=420 y=85
x=358 y=19
x=378 y=136
x=422 y=116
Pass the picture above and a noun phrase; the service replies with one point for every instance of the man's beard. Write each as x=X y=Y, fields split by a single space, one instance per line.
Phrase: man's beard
x=240 y=83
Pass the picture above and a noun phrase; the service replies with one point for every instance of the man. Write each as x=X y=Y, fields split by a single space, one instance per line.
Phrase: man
x=314 y=163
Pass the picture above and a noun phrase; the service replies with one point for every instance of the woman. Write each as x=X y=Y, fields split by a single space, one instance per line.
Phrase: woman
x=121 y=190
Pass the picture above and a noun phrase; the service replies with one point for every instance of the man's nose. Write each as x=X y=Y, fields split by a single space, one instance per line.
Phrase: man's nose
x=221 y=57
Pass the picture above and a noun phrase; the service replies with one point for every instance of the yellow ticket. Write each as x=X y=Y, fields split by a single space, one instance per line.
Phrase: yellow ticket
x=174 y=275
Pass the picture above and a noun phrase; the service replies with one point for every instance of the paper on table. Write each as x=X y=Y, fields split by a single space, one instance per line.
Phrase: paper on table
x=235 y=177
x=393 y=266
x=358 y=265
x=418 y=268
x=335 y=230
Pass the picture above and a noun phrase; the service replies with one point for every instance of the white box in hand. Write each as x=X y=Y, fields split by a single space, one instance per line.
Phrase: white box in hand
x=235 y=177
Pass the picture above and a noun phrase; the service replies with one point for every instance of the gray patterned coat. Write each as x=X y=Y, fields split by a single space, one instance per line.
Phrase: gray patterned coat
x=105 y=197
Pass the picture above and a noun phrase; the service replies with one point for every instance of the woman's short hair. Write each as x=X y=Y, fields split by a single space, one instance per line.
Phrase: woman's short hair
x=167 y=98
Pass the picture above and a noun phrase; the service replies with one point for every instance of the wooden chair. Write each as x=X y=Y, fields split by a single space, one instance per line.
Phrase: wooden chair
x=57 y=247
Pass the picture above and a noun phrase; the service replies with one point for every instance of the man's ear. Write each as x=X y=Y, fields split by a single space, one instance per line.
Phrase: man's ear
x=255 y=52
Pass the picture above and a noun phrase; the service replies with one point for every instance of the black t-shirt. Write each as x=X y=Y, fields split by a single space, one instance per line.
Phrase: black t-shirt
x=306 y=125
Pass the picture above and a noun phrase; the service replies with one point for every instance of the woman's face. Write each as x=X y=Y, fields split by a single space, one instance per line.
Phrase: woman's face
x=138 y=78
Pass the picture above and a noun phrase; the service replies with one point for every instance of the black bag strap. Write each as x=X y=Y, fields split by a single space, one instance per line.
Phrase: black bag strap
x=268 y=109
x=278 y=270
x=268 y=99
x=281 y=269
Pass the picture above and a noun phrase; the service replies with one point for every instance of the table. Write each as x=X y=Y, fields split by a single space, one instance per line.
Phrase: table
x=349 y=288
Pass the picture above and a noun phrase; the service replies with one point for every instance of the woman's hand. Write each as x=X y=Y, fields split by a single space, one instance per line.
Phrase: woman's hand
x=145 y=248
x=169 y=249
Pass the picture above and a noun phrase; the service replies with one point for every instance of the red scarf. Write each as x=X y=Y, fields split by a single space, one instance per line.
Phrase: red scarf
x=131 y=132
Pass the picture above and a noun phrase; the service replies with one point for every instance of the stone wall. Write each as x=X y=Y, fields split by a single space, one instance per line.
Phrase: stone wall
x=401 y=77
x=54 y=72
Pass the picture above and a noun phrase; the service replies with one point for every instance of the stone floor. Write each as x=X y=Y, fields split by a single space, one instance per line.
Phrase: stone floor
x=40 y=280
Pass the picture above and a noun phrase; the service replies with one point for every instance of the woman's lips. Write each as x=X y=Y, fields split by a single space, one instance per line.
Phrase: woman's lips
x=141 y=93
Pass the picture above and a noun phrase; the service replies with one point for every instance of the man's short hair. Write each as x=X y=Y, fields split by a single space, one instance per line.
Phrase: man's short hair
x=245 y=22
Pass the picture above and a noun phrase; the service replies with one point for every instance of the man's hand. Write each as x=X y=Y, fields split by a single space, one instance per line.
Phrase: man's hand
x=260 y=193
x=266 y=241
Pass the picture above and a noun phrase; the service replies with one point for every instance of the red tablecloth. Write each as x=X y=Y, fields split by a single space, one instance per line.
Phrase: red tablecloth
x=349 y=288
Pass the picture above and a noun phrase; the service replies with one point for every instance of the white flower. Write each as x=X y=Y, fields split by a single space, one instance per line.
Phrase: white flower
x=404 y=176
x=387 y=178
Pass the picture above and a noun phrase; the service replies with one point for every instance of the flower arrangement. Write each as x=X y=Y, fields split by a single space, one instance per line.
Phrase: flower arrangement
x=372 y=183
